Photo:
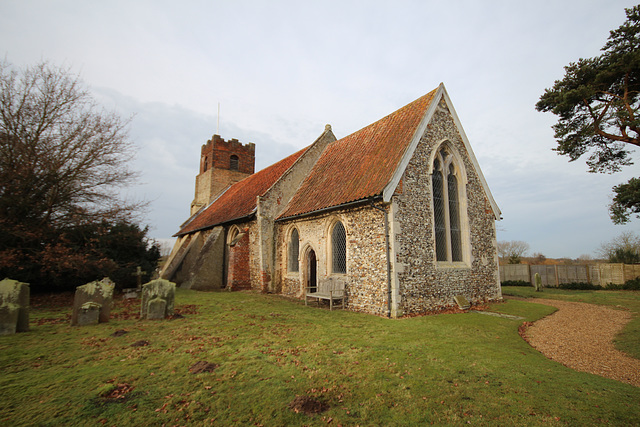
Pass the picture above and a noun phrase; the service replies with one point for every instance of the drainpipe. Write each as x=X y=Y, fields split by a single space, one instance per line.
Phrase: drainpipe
x=386 y=240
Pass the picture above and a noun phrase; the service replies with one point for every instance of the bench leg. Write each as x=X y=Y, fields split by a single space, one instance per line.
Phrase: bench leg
x=330 y=304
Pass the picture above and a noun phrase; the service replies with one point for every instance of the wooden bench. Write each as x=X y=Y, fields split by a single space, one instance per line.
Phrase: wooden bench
x=330 y=289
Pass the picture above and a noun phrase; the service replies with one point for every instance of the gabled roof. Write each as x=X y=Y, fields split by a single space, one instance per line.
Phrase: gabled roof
x=371 y=161
x=361 y=165
x=239 y=200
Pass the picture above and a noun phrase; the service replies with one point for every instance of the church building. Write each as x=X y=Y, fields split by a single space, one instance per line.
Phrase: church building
x=399 y=212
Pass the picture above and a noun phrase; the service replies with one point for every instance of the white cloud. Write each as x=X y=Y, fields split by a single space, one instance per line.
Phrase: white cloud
x=281 y=70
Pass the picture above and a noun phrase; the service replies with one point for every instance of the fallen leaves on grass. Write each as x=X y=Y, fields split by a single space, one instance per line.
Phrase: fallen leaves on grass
x=65 y=318
x=118 y=391
x=52 y=301
x=141 y=343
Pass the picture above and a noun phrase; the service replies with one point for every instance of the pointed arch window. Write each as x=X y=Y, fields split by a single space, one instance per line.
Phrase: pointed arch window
x=339 y=249
x=445 y=183
x=294 y=250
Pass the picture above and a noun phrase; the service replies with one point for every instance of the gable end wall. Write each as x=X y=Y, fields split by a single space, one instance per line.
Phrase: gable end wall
x=422 y=284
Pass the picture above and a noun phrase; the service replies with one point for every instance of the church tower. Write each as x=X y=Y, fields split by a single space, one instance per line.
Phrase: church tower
x=222 y=163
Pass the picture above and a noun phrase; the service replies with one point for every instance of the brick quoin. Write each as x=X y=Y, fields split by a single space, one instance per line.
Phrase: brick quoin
x=238 y=276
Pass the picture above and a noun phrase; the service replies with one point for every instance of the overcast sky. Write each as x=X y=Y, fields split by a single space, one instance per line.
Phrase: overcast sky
x=281 y=70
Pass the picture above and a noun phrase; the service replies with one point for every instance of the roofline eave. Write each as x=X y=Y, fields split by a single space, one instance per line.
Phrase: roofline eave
x=228 y=222
x=352 y=203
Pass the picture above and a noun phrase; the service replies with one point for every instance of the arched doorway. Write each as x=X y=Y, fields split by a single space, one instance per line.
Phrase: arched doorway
x=311 y=267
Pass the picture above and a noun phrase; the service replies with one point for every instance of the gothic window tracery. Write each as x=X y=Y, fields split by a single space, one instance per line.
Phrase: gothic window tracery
x=339 y=248
x=446 y=194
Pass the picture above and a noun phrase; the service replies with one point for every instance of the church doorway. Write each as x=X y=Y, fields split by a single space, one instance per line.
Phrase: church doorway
x=311 y=271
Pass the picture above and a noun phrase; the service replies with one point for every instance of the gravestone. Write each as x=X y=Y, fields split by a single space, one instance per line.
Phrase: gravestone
x=92 y=303
x=537 y=282
x=462 y=302
x=157 y=299
x=14 y=307
x=89 y=314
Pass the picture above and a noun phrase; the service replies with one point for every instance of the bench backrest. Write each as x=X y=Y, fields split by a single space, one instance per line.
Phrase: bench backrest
x=330 y=284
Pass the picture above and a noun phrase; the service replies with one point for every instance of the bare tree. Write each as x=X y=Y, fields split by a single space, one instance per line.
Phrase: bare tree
x=624 y=248
x=62 y=159
x=63 y=163
x=513 y=251
x=538 y=258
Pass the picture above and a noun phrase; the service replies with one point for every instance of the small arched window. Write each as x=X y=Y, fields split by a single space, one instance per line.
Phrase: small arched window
x=294 y=250
x=234 y=162
x=446 y=207
x=206 y=164
x=339 y=248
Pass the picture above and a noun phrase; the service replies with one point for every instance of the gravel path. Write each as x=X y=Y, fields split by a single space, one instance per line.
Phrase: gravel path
x=580 y=336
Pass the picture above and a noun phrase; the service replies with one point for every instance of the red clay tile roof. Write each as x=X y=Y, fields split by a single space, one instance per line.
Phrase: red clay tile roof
x=241 y=198
x=360 y=165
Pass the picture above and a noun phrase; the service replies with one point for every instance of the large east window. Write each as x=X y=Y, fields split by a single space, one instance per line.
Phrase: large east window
x=446 y=207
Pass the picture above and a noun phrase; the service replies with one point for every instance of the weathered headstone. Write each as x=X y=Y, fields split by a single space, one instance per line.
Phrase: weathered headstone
x=14 y=307
x=157 y=299
x=537 y=282
x=462 y=302
x=92 y=303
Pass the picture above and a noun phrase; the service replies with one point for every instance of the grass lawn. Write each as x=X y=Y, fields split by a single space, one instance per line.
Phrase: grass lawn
x=444 y=369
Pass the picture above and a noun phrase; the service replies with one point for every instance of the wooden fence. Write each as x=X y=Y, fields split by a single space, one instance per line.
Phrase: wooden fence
x=553 y=275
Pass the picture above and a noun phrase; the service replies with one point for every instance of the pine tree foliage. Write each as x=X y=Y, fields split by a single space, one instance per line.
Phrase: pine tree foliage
x=597 y=104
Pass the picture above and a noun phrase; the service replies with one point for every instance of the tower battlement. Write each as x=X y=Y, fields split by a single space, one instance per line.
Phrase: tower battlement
x=222 y=163
x=218 y=153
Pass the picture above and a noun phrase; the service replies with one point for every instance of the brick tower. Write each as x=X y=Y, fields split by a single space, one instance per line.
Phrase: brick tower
x=221 y=164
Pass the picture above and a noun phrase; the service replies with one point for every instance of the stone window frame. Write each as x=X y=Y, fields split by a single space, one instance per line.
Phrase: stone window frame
x=329 y=239
x=234 y=234
x=288 y=250
x=460 y=173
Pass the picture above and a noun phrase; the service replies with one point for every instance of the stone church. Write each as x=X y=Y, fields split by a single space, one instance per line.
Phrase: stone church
x=398 y=211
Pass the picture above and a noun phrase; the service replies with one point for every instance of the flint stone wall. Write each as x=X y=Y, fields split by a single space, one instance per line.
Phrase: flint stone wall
x=366 y=278
x=423 y=284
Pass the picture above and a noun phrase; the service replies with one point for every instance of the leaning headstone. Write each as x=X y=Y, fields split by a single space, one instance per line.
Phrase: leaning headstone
x=14 y=307
x=92 y=303
x=157 y=299
x=462 y=302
